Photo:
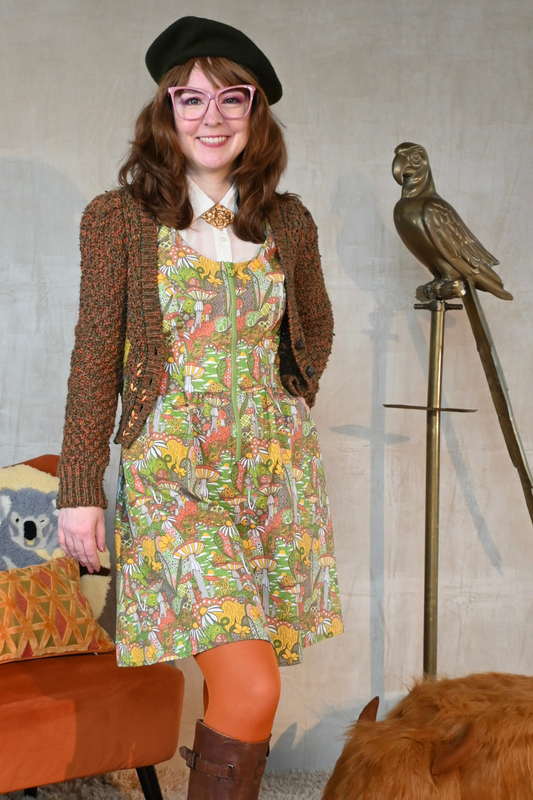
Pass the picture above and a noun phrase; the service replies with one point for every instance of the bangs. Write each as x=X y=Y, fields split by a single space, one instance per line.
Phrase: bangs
x=220 y=71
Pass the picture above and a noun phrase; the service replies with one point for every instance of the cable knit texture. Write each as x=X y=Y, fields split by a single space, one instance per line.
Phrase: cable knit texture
x=119 y=298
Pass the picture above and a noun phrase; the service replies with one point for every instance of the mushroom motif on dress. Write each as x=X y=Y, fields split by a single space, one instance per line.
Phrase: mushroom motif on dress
x=173 y=317
x=227 y=533
x=174 y=493
x=294 y=414
x=190 y=550
x=271 y=491
x=313 y=499
x=299 y=581
x=141 y=502
x=265 y=564
x=296 y=474
x=271 y=301
x=249 y=484
x=252 y=411
x=158 y=410
x=234 y=567
x=239 y=291
x=277 y=279
x=216 y=402
x=186 y=582
x=199 y=296
x=269 y=346
x=206 y=475
x=236 y=501
x=191 y=371
x=326 y=561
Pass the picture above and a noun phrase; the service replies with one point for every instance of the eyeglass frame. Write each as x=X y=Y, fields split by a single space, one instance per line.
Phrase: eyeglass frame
x=173 y=89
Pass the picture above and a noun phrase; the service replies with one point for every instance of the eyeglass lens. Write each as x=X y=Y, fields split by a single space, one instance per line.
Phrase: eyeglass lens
x=233 y=103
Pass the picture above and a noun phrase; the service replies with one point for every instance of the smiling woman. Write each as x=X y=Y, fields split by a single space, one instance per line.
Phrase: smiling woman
x=203 y=304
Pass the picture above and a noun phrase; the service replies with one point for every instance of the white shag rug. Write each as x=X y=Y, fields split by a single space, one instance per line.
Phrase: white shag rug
x=125 y=786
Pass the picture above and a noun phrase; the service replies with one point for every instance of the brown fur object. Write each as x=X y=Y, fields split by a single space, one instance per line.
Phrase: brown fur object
x=468 y=738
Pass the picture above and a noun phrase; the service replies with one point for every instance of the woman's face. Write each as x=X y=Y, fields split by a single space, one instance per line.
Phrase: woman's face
x=211 y=144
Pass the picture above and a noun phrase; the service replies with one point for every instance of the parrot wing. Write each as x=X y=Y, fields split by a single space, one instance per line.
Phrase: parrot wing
x=456 y=243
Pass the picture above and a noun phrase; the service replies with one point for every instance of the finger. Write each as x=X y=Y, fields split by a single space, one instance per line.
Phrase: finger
x=82 y=559
x=90 y=556
x=100 y=535
x=75 y=549
x=71 y=551
x=66 y=545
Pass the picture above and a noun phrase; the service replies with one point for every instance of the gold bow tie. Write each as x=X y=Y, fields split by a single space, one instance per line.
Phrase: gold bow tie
x=218 y=216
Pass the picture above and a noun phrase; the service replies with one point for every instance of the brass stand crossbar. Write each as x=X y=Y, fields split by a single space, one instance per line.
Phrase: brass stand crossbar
x=430 y=408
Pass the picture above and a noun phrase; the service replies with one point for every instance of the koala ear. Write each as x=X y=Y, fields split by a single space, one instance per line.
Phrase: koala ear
x=5 y=505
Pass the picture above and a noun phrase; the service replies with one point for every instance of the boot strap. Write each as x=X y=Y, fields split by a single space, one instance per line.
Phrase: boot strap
x=193 y=761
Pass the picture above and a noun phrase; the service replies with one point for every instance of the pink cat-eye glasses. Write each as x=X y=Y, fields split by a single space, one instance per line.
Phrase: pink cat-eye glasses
x=233 y=102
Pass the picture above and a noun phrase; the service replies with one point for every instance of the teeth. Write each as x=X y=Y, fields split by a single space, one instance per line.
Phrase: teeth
x=213 y=139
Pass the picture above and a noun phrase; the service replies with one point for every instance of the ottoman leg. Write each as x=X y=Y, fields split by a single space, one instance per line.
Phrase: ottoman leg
x=30 y=792
x=149 y=783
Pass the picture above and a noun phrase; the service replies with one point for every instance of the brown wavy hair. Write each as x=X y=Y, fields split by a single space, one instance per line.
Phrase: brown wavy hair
x=155 y=168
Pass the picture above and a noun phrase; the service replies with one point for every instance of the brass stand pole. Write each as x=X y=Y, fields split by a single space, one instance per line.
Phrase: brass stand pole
x=431 y=572
x=433 y=411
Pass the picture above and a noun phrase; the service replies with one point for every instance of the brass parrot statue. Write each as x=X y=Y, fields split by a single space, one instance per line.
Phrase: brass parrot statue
x=435 y=233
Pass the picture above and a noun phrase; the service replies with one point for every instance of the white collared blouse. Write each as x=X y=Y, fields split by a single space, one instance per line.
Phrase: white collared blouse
x=217 y=245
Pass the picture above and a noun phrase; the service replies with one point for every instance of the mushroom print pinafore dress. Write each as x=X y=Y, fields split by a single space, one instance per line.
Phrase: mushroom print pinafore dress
x=223 y=528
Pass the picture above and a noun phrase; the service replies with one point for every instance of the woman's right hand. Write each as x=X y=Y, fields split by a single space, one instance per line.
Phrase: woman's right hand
x=81 y=531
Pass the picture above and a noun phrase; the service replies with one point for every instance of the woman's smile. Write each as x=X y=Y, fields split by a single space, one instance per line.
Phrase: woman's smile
x=214 y=141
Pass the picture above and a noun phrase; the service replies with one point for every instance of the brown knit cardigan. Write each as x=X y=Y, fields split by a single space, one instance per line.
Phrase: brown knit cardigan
x=119 y=298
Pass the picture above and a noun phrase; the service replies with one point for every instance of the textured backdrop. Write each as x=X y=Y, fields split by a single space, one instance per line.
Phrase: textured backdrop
x=360 y=77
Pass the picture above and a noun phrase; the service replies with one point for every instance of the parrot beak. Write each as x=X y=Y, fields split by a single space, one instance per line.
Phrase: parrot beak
x=398 y=166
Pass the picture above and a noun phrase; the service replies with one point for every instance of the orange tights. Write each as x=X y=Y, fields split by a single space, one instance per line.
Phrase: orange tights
x=241 y=689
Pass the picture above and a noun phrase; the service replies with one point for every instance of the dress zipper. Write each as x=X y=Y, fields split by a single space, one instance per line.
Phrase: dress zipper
x=232 y=297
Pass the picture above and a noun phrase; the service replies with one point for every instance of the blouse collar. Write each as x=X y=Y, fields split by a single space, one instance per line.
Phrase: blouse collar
x=201 y=203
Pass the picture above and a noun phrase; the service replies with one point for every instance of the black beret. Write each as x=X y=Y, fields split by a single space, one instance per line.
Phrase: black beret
x=194 y=37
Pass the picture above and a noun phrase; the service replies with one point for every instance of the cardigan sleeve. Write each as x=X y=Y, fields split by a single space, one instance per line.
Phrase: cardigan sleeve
x=314 y=306
x=96 y=364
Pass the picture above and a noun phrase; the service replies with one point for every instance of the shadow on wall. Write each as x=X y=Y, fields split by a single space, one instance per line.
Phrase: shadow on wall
x=390 y=278
x=315 y=750
x=40 y=210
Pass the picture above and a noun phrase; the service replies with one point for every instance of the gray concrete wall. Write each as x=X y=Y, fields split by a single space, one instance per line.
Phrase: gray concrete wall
x=360 y=77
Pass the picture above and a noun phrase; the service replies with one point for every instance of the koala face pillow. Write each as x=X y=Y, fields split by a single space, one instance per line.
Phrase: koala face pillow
x=28 y=529
x=28 y=517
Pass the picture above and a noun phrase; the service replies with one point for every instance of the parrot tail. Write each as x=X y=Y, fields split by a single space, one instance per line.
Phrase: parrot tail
x=498 y=389
x=487 y=285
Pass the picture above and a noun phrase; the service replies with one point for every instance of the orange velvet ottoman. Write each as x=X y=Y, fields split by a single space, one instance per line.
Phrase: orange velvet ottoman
x=77 y=715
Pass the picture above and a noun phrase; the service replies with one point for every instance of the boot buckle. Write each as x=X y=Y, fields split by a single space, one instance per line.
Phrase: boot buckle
x=189 y=756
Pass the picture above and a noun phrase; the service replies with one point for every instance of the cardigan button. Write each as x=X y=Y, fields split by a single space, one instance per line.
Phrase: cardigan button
x=300 y=344
x=310 y=371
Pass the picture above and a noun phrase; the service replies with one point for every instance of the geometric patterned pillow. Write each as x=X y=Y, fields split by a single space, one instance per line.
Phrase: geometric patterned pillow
x=43 y=613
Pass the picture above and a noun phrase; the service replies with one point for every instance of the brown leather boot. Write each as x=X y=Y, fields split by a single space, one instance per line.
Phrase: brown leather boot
x=224 y=768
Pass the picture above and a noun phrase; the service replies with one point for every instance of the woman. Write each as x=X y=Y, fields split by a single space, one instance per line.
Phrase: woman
x=203 y=303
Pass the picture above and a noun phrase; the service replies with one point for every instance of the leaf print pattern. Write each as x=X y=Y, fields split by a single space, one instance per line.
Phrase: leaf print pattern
x=223 y=528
